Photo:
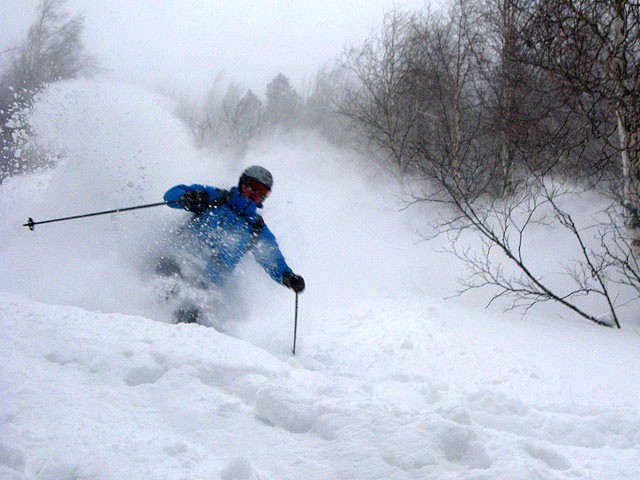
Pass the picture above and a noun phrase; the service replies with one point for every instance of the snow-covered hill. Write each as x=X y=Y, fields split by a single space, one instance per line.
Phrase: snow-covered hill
x=390 y=380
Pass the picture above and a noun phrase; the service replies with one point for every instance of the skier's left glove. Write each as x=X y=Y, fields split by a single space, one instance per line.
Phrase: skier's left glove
x=293 y=281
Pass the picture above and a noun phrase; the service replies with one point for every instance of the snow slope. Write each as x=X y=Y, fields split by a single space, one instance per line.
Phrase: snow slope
x=390 y=381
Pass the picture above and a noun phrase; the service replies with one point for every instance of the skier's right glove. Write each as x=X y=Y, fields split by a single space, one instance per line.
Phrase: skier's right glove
x=195 y=201
x=293 y=281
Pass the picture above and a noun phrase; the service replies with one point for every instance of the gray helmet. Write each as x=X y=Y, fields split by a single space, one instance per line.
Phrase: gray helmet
x=260 y=174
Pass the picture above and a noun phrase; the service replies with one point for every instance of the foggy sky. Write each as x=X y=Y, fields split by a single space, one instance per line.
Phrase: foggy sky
x=187 y=43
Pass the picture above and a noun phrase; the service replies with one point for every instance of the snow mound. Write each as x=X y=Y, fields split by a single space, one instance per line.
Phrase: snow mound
x=112 y=396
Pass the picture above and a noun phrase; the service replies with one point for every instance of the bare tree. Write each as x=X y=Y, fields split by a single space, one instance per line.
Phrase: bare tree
x=427 y=92
x=205 y=118
x=504 y=81
x=228 y=117
x=593 y=49
x=459 y=97
x=418 y=95
x=376 y=98
x=53 y=51
x=505 y=263
x=321 y=104
x=530 y=121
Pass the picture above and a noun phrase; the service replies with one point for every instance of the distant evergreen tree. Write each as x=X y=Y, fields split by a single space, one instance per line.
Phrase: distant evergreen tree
x=249 y=118
x=283 y=103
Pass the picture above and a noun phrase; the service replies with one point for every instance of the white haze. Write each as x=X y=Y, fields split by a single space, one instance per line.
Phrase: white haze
x=334 y=221
x=390 y=379
x=187 y=44
x=339 y=221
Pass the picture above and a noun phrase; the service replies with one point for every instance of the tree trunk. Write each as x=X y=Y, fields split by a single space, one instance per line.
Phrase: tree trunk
x=628 y=124
x=629 y=134
x=507 y=67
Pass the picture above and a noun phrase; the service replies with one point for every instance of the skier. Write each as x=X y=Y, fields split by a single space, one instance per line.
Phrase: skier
x=225 y=226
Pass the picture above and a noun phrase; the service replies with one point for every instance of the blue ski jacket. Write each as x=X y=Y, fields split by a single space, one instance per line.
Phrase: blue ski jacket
x=224 y=233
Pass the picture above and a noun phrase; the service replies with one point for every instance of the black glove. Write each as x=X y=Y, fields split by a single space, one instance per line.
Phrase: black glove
x=195 y=201
x=293 y=281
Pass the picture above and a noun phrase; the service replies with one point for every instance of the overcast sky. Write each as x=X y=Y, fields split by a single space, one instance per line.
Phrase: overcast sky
x=188 y=42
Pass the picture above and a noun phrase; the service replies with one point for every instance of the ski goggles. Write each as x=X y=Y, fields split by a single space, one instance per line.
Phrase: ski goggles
x=257 y=187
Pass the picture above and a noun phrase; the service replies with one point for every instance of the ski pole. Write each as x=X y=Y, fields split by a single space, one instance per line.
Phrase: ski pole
x=32 y=224
x=295 y=326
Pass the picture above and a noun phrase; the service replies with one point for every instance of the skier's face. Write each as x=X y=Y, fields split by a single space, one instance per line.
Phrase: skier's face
x=255 y=191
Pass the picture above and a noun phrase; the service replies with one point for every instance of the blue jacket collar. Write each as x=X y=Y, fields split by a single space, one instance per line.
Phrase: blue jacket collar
x=242 y=204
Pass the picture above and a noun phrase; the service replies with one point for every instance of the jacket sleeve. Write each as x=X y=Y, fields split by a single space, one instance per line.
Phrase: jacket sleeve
x=268 y=255
x=174 y=193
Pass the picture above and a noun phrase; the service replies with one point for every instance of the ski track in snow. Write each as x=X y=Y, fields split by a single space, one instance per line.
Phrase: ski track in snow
x=390 y=380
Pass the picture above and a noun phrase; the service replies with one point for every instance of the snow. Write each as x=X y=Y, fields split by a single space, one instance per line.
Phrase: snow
x=392 y=378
